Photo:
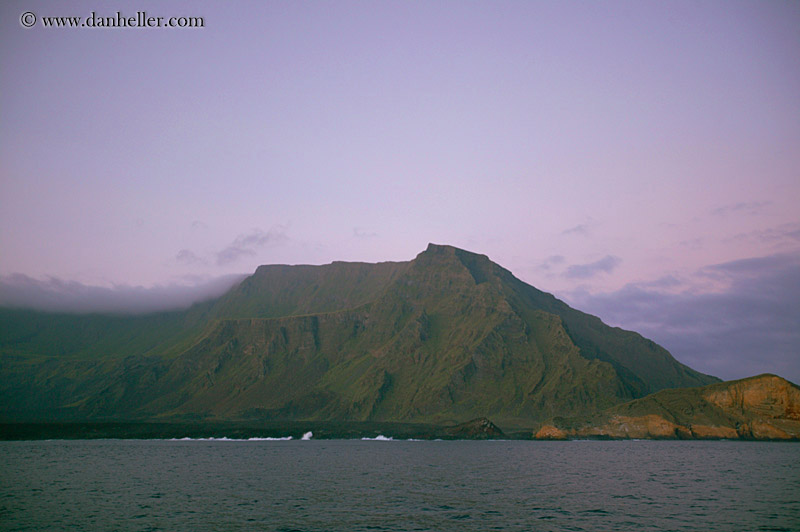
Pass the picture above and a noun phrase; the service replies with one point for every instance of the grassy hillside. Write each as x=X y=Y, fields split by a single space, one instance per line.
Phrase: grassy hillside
x=445 y=338
x=100 y=336
x=276 y=291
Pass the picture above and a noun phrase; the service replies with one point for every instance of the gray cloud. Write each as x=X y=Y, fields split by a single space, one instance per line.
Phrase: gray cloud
x=580 y=229
x=585 y=271
x=755 y=267
x=743 y=207
x=751 y=327
x=57 y=295
x=359 y=233
x=668 y=281
x=248 y=244
x=186 y=256
x=783 y=234
x=551 y=261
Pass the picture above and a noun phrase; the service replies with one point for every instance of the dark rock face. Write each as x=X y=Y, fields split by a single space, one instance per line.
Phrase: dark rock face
x=476 y=429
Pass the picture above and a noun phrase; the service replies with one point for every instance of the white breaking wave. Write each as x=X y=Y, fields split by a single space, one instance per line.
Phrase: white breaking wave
x=379 y=437
x=307 y=436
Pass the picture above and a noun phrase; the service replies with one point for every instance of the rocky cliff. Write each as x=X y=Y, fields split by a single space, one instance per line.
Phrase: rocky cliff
x=765 y=407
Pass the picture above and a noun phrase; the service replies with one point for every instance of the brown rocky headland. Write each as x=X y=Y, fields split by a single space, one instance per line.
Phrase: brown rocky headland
x=765 y=407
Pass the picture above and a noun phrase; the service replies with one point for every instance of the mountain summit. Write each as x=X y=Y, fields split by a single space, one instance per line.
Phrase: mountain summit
x=447 y=337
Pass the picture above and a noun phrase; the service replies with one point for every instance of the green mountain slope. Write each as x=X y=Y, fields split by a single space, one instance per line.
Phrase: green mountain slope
x=103 y=336
x=445 y=338
x=276 y=291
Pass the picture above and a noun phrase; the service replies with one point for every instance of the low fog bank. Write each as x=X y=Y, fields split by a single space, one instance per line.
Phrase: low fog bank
x=57 y=295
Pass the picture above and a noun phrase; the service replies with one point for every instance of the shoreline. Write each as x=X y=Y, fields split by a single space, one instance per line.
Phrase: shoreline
x=280 y=431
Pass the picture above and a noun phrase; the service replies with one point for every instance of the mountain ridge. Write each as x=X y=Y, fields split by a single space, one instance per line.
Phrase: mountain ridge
x=444 y=338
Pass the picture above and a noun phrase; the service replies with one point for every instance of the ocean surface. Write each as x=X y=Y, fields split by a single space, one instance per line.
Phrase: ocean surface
x=352 y=485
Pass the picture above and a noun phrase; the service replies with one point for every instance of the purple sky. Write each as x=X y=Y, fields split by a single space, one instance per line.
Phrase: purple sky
x=641 y=160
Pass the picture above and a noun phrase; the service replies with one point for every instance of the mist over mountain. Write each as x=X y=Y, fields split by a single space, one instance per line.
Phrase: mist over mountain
x=57 y=295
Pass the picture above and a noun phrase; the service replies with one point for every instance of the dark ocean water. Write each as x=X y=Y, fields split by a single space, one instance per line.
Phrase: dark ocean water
x=398 y=485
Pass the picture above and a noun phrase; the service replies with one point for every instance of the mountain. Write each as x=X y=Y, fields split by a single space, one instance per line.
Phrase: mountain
x=445 y=338
x=765 y=407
